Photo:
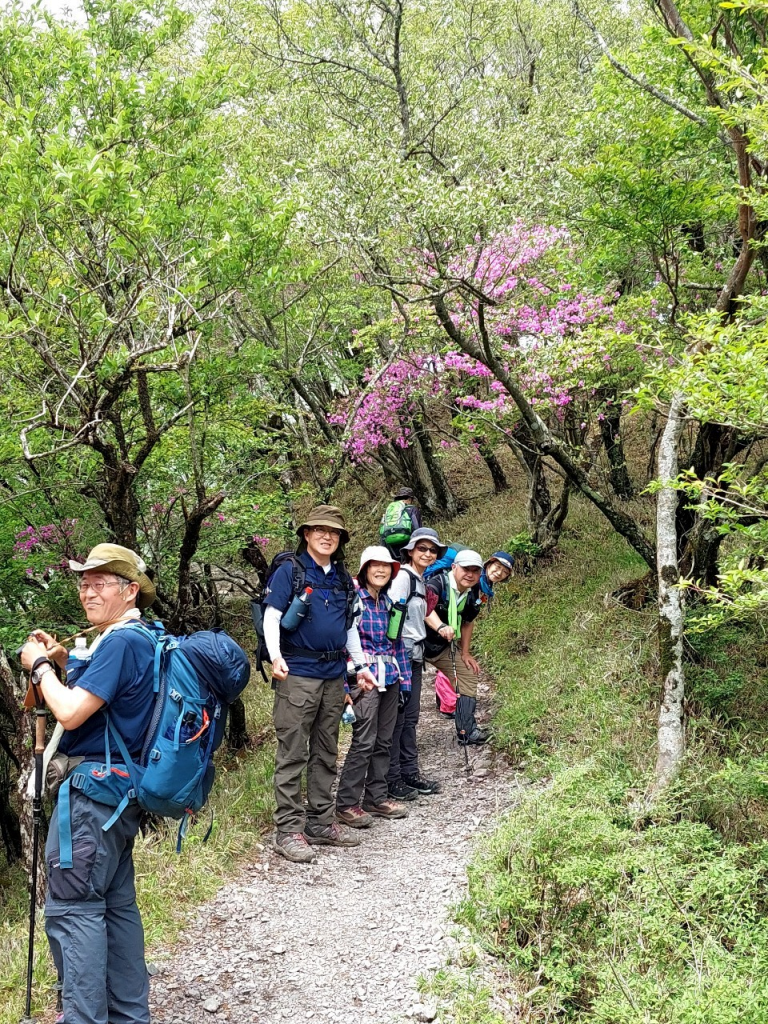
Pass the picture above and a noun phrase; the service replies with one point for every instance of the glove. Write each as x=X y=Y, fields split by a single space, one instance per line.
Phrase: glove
x=403 y=699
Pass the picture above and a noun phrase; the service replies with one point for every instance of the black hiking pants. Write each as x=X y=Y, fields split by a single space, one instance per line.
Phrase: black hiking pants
x=404 y=754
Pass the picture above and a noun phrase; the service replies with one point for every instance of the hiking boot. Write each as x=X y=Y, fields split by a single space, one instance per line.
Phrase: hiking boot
x=387 y=809
x=399 y=791
x=354 y=817
x=476 y=737
x=330 y=835
x=425 y=787
x=293 y=846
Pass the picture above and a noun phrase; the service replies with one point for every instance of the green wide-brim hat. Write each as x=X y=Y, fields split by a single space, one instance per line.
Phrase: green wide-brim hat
x=326 y=515
x=122 y=562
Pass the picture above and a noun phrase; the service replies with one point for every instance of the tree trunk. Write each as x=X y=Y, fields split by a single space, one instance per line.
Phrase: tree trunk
x=610 y=432
x=446 y=502
x=23 y=756
x=547 y=534
x=698 y=538
x=539 y=497
x=671 y=726
x=189 y=546
x=117 y=496
x=422 y=471
x=238 y=730
x=494 y=467
x=11 y=738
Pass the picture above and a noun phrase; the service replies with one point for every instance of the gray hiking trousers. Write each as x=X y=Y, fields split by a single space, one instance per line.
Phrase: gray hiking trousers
x=364 y=775
x=307 y=715
x=92 y=920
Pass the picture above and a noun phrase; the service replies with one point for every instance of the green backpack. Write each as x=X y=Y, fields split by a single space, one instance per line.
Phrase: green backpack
x=396 y=524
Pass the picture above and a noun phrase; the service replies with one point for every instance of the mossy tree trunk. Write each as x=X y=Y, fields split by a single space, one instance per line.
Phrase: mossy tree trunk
x=671 y=724
x=610 y=433
x=12 y=737
x=495 y=468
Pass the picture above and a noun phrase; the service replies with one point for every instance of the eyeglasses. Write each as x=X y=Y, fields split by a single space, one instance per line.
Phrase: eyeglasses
x=99 y=585
x=425 y=549
x=322 y=531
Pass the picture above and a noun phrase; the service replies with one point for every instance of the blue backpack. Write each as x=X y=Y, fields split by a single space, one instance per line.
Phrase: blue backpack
x=441 y=564
x=196 y=678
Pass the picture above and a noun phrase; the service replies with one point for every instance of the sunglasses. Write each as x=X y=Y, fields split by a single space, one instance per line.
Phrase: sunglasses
x=426 y=549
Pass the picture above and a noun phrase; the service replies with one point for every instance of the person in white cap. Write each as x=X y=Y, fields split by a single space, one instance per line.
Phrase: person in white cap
x=91 y=917
x=449 y=633
x=362 y=793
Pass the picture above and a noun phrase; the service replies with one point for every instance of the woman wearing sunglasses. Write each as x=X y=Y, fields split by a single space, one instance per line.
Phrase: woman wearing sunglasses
x=404 y=780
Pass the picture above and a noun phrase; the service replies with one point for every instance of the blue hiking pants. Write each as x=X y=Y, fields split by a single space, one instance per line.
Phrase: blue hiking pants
x=92 y=920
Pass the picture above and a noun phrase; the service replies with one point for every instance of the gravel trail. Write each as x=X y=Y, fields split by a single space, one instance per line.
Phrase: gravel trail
x=343 y=940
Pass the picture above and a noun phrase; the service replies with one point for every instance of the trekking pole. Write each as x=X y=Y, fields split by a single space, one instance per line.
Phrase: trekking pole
x=37 y=813
x=462 y=732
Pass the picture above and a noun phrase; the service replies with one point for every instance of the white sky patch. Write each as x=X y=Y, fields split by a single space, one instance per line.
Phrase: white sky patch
x=64 y=10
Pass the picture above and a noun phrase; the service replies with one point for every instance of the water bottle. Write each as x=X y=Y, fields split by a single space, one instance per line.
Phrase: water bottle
x=396 y=620
x=348 y=717
x=77 y=660
x=297 y=610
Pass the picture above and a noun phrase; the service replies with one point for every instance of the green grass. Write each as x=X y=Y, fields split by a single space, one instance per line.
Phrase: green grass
x=472 y=1000
x=560 y=685
x=601 y=913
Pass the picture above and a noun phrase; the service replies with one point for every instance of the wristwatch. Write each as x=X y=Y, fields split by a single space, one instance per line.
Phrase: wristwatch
x=40 y=667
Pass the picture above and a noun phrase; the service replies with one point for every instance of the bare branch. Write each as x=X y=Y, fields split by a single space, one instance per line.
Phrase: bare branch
x=639 y=80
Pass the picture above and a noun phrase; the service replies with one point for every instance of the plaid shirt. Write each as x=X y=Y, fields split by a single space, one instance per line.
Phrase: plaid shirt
x=372 y=620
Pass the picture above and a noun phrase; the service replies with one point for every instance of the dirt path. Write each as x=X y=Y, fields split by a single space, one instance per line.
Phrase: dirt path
x=345 y=939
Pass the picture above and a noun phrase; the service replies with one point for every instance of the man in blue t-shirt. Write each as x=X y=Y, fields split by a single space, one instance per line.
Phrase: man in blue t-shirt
x=91 y=917
x=309 y=670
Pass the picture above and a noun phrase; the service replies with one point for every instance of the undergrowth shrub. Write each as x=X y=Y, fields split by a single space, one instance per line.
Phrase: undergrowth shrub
x=610 y=922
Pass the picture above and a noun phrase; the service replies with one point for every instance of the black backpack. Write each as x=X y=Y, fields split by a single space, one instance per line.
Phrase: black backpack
x=298 y=583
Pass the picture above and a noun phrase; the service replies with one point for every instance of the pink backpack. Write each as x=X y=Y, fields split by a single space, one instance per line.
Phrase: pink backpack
x=445 y=693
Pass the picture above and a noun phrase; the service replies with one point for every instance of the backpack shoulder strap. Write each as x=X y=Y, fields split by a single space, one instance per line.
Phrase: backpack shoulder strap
x=413 y=585
x=299 y=574
x=442 y=578
x=139 y=627
x=348 y=583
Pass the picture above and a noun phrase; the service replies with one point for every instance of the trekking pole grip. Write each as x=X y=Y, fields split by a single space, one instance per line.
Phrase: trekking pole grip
x=40 y=722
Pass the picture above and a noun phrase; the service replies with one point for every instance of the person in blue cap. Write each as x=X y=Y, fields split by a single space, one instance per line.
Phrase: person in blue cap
x=496 y=569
